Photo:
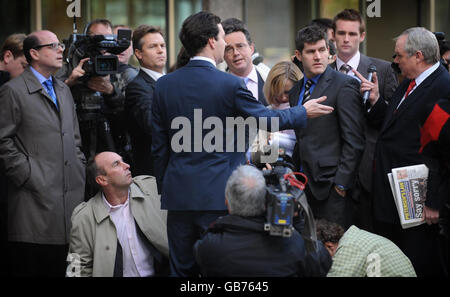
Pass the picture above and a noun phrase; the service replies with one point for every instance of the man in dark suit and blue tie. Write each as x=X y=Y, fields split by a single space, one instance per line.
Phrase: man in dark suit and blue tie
x=192 y=180
x=330 y=147
x=417 y=54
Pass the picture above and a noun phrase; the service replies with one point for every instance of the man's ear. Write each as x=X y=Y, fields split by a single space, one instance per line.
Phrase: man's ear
x=252 y=48
x=361 y=38
x=419 y=56
x=8 y=56
x=298 y=55
x=212 y=42
x=138 y=54
x=34 y=54
x=101 y=180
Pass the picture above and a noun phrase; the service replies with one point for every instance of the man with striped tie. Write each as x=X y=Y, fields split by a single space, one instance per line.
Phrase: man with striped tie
x=330 y=147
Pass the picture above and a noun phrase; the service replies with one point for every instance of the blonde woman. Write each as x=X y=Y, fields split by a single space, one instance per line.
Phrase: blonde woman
x=279 y=82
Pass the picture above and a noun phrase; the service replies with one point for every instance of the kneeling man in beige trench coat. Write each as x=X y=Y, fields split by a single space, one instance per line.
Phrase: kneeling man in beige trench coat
x=121 y=231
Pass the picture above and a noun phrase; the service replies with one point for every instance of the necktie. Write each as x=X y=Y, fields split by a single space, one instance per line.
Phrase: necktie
x=307 y=94
x=411 y=86
x=245 y=80
x=49 y=88
x=345 y=68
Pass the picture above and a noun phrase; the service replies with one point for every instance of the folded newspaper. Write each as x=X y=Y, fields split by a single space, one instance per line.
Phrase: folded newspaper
x=409 y=187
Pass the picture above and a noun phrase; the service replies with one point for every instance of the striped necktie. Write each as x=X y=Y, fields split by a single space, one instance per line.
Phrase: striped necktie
x=307 y=94
x=345 y=68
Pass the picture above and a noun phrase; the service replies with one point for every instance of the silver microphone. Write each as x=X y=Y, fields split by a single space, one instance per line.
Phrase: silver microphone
x=370 y=70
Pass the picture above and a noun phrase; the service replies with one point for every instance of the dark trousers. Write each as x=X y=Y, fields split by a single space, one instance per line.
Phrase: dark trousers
x=421 y=244
x=3 y=219
x=362 y=208
x=36 y=260
x=335 y=208
x=184 y=228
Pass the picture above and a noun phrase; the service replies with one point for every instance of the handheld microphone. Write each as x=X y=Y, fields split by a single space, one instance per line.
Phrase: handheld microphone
x=370 y=70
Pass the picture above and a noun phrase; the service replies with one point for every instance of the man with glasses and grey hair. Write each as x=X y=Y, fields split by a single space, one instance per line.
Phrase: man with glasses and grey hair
x=398 y=144
x=40 y=148
x=237 y=245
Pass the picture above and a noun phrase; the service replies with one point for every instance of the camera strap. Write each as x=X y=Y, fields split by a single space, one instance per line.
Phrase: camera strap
x=309 y=231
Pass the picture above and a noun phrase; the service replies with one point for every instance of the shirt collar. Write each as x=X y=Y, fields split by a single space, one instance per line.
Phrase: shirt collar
x=315 y=79
x=39 y=76
x=426 y=73
x=115 y=207
x=253 y=76
x=153 y=74
x=204 y=59
x=353 y=62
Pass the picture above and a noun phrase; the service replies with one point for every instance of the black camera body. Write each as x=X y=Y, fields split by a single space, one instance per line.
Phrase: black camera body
x=282 y=198
x=93 y=47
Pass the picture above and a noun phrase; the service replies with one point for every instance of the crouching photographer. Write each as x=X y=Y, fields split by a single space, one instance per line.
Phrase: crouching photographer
x=238 y=245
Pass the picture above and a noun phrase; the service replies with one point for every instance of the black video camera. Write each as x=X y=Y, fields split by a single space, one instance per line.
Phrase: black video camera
x=85 y=46
x=283 y=194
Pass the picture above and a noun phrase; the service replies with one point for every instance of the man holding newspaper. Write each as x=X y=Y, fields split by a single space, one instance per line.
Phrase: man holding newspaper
x=417 y=54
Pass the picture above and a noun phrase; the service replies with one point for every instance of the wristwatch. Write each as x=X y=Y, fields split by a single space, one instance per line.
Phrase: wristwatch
x=340 y=187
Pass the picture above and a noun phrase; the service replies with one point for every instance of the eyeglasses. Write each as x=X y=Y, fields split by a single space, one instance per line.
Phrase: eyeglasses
x=54 y=46
x=229 y=49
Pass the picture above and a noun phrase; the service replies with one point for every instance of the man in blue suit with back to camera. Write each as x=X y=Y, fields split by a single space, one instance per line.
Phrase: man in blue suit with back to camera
x=192 y=179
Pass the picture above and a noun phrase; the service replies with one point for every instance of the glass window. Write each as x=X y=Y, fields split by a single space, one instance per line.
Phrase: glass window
x=124 y=12
x=265 y=27
x=442 y=24
x=183 y=9
x=15 y=18
x=329 y=8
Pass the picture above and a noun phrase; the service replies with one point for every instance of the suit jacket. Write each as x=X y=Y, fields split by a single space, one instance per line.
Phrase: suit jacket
x=330 y=147
x=193 y=178
x=94 y=240
x=138 y=107
x=40 y=148
x=399 y=140
x=387 y=82
x=261 y=97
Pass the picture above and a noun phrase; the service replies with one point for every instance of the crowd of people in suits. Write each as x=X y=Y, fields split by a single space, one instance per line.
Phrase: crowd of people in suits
x=200 y=212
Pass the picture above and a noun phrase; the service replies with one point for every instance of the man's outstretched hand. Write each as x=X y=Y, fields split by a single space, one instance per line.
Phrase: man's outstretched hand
x=314 y=109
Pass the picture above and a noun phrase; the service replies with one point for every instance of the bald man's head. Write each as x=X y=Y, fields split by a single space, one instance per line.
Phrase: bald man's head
x=111 y=170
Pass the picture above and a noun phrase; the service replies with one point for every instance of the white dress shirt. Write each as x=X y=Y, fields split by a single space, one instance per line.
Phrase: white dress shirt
x=353 y=62
x=137 y=260
x=153 y=74
x=252 y=82
x=204 y=59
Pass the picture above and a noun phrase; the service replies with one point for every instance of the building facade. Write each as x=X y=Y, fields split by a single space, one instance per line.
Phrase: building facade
x=272 y=23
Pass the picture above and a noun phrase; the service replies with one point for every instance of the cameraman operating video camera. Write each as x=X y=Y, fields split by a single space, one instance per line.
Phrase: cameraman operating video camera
x=92 y=73
x=237 y=244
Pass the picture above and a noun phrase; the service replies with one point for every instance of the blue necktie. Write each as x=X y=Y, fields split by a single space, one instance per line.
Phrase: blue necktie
x=49 y=88
x=245 y=80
